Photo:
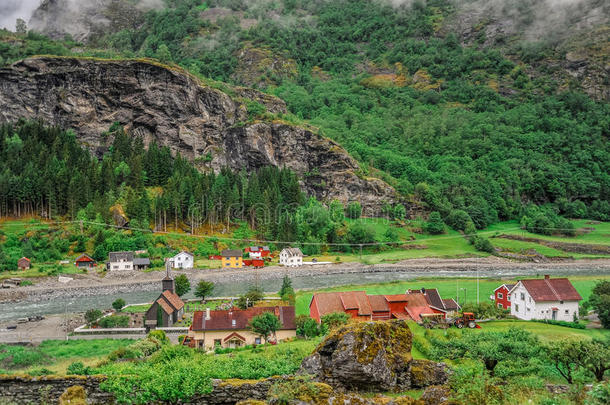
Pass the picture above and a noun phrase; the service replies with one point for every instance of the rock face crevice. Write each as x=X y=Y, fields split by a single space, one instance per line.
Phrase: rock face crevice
x=175 y=109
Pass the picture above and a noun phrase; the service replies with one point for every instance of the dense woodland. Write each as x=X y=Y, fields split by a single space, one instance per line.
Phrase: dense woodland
x=462 y=130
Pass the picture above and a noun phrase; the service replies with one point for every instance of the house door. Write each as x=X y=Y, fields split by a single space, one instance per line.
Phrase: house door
x=554 y=315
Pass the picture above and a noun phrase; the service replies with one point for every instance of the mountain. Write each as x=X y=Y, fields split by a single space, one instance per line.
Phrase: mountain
x=475 y=109
x=177 y=110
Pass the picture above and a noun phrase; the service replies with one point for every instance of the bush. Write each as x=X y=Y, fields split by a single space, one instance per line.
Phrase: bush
x=458 y=220
x=114 y=321
x=335 y=319
x=78 y=368
x=485 y=310
x=92 y=315
x=435 y=224
x=483 y=244
x=159 y=335
x=353 y=210
x=118 y=304
x=574 y=325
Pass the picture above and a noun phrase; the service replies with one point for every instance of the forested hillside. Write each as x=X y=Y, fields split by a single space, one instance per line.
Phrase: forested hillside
x=482 y=128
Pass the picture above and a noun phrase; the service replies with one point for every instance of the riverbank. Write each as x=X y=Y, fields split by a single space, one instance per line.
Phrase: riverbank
x=87 y=285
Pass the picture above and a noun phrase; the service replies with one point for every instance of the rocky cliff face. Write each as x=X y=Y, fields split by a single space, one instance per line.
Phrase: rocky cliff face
x=179 y=111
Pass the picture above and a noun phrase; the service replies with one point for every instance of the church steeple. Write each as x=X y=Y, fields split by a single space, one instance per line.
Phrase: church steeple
x=168 y=281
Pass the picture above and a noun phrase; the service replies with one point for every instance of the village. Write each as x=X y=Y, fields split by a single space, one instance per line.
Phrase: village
x=210 y=323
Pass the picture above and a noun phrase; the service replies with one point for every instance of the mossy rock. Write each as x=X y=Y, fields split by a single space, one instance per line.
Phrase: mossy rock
x=74 y=395
x=364 y=356
x=425 y=373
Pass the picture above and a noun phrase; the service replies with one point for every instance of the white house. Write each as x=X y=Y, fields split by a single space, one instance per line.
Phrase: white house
x=291 y=257
x=183 y=260
x=118 y=261
x=124 y=261
x=547 y=298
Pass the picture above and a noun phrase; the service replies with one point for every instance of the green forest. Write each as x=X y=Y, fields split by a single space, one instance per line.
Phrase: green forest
x=475 y=133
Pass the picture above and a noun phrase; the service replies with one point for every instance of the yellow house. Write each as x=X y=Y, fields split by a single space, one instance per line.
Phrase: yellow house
x=229 y=328
x=231 y=259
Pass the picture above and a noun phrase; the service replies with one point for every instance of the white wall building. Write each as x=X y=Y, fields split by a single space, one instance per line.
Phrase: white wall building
x=291 y=257
x=120 y=261
x=547 y=298
x=183 y=260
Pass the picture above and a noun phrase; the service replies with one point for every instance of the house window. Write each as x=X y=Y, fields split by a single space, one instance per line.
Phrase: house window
x=127 y=266
x=567 y=311
x=522 y=296
x=115 y=267
x=561 y=302
x=233 y=322
x=517 y=307
x=500 y=296
x=530 y=298
x=508 y=298
x=499 y=305
x=257 y=340
x=528 y=309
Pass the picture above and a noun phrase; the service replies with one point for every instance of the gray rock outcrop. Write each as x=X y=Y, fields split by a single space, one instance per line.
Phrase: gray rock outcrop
x=175 y=109
x=372 y=356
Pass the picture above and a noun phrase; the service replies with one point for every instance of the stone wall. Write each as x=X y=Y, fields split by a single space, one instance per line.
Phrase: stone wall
x=47 y=389
x=21 y=390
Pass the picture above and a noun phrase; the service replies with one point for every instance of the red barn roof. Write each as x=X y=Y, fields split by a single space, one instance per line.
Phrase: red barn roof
x=84 y=258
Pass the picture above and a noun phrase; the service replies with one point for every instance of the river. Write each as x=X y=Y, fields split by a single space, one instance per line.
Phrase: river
x=11 y=311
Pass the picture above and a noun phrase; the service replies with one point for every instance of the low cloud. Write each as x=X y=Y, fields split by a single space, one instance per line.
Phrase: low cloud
x=11 y=10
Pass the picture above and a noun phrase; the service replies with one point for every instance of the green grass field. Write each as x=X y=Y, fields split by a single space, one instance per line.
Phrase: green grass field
x=56 y=355
x=447 y=287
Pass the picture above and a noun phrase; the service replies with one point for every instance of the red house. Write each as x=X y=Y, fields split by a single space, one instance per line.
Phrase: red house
x=258 y=252
x=361 y=306
x=501 y=297
x=23 y=263
x=84 y=261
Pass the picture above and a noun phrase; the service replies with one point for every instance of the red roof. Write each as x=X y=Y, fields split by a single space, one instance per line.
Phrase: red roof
x=25 y=258
x=379 y=303
x=396 y=298
x=417 y=305
x=173 y=300
x=165 y=306
x=240 y=318
x=84 y=258
x=342 y=301
x=551 y=289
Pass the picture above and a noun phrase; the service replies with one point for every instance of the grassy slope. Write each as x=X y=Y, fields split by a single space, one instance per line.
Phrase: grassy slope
x=449 y=245
x=446 y=287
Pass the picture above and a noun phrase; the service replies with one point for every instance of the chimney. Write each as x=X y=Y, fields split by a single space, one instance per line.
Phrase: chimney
x=207 y=314
x=546 y=276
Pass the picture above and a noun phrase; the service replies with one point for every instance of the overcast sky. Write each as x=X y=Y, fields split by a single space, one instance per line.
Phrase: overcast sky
x=10 y=10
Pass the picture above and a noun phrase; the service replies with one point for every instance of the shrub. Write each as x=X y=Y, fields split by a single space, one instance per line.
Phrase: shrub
x=458 y=220
x=78 y=368
x=485 y=310
x=483 y=244
x=118 y=304
x=435 y=224
x=92 y=315
x=159 y=335
x=353 y=210
x=574 y=325
x=335 y=319
x=114 y=321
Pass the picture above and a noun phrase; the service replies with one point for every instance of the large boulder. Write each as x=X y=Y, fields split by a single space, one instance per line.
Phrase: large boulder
x=371 y=356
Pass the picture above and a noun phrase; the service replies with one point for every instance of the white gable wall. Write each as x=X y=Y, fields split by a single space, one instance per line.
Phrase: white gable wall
x=524 y=307
x=183 y=261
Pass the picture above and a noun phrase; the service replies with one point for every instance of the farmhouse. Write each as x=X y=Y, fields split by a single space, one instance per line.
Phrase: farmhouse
x=84 y=261
x=232 y=259
x=291 y=257
x=120 y=261
x=168 y=308
x=258 y=252
x=23 y=263
x=547 y=298
x=446 y=306
x=501 y=297
x=231 y=328
x=363 y=307
x=183 y=260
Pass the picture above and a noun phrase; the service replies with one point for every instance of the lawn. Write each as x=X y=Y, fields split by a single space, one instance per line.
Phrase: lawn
x=56 y=355
x=447 y=287
x=600 y=235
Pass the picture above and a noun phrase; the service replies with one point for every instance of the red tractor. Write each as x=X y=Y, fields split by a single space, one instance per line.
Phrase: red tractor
x=467 y=319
